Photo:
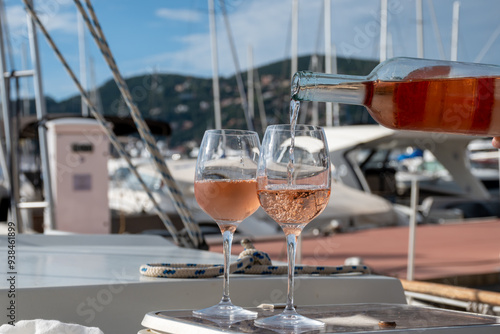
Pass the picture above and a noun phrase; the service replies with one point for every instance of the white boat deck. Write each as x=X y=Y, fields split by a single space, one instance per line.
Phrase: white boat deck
x=94 y=280
x=75 y=260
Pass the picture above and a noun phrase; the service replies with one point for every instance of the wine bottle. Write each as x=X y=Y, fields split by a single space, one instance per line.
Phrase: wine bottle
x=415 y=94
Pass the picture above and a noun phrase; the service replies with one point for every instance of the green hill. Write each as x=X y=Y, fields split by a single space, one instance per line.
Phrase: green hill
x=186 y=102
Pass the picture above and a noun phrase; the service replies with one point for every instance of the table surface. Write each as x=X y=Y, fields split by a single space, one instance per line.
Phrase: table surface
x=338 y=319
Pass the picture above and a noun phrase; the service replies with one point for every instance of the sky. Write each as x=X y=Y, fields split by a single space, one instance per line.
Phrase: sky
x=173 y=36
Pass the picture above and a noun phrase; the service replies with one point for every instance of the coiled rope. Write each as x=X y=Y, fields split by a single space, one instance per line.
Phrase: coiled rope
x=250 y=261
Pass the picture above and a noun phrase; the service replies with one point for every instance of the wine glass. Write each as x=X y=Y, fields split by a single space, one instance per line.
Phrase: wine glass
x=225 y=188
x=293 y=185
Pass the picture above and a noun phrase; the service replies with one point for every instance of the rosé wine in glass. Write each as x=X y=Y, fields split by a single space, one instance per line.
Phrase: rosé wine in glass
x=293 y=184
x=227 y=200
x=225 y=187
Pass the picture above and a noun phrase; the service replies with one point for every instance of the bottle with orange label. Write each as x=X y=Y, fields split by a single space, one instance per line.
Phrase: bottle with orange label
x=415 y=94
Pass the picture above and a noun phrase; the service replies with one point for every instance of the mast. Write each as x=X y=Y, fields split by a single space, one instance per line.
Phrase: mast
x=260 y=101
x=254 y=88
x=10 y=161
x=239 y=80
x=336 y=106
x=215 y=65
x=420 y=30
x=24 y=62
x=314 y=64
x=383 y=30
x=83 y=61
x=454 y=31
x=41 y=112
x=295 y=36
x=95 y=97
x=250 y=81
x=328 y=55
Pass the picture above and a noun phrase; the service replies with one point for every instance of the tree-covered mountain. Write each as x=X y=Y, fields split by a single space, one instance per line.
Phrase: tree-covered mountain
x=186 y=102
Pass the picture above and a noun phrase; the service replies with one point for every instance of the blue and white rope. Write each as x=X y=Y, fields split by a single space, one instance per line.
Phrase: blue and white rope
x=95 y=30
x=102 y=122
x=250 y=262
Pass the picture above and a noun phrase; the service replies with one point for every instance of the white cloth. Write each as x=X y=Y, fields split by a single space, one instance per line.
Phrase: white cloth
x=39 y=326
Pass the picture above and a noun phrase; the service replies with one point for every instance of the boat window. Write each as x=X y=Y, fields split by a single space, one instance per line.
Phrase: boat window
x=368 y=158
x=120 y=174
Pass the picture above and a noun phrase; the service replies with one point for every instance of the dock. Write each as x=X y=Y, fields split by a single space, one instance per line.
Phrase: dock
x=447 y=253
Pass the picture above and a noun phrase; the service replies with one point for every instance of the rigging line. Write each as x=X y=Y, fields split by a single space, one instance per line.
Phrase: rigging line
x=168 y=224
x=462 y=47
x=95 y=95
x=98 y=35
x=239 y=80
x=488 y=45
x=396 y=31
x=94 y=27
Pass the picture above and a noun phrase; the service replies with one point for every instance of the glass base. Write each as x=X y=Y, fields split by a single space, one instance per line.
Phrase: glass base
x=289 y=319
x=225 y=310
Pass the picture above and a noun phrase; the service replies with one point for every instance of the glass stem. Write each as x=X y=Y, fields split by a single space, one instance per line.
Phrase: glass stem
x=227 y=238
x=291 y=242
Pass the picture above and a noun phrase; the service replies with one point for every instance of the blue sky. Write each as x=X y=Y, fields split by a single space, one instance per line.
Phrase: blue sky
x=173 y=36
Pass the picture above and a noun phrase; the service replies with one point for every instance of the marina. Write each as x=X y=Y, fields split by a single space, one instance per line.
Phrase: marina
x=452 y=252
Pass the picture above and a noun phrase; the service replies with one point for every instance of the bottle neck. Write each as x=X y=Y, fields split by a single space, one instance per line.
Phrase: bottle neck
x=321 y=87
